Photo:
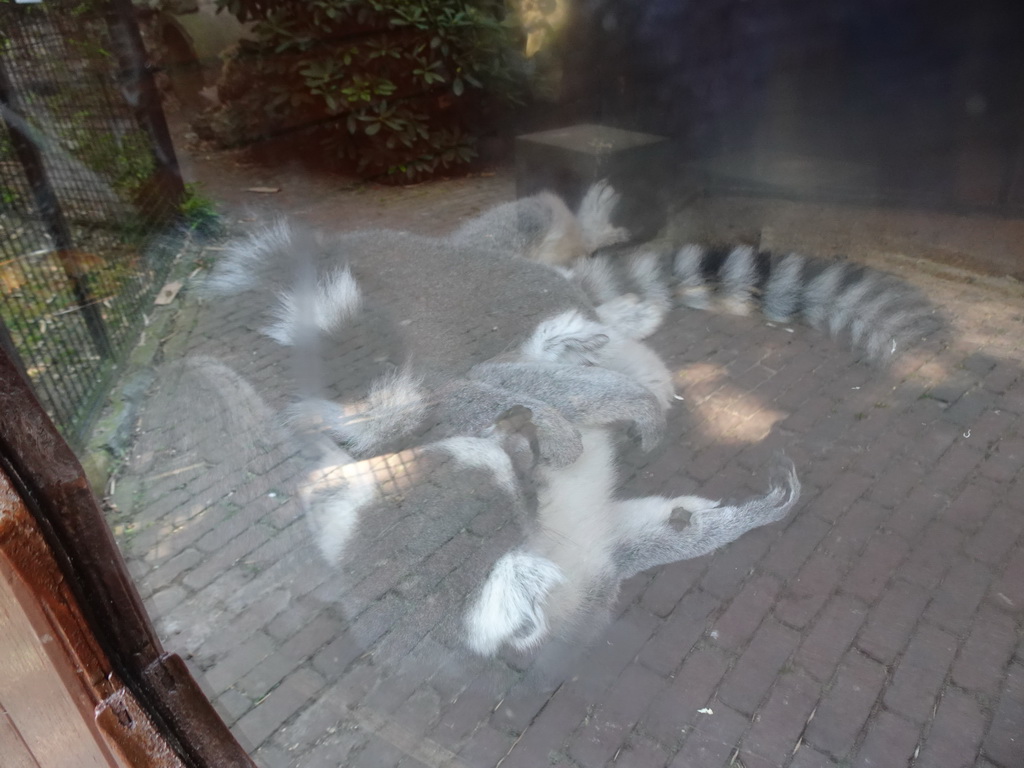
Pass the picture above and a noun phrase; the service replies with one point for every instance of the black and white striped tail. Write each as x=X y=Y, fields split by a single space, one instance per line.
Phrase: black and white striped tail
x=880 y=313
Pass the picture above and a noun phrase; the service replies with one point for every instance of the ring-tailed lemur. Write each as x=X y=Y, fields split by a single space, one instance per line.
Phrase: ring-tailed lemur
x=472 y=481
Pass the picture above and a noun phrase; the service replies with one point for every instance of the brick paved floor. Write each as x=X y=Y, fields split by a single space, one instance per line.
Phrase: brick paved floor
x=880 y=625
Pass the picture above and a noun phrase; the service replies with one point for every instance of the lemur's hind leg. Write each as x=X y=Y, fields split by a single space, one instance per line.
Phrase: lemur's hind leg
x=657 y=530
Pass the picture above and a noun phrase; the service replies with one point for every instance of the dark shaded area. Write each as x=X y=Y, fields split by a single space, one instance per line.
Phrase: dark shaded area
x=900 y=101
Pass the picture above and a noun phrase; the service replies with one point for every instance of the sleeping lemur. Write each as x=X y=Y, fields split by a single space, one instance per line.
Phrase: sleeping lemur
x=468 y=491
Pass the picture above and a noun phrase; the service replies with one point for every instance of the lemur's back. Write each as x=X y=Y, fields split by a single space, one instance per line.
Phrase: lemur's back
x=419 y=286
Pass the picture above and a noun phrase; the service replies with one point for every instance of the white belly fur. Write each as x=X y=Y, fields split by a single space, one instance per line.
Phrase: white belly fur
x=578 y=526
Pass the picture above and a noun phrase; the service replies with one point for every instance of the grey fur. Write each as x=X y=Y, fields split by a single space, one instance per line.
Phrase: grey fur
x=646 y=274
x=395 y=406
x=569 y=337
x=658 y=542
x=257 y=261
x=881 y=314
x=691 y=287
x=472 y=407
x=596 y=278
x=511 y=401
x=595 y=218
x=631 y=316
x=782 y=292
x=738 y=276
x=587 y=396
x=540 y=228
x=820 y=294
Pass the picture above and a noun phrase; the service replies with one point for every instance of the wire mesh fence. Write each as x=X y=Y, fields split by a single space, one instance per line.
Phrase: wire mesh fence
x=89 y=193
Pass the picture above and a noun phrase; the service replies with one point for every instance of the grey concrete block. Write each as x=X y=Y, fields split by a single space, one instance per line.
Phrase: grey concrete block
x=568 y=160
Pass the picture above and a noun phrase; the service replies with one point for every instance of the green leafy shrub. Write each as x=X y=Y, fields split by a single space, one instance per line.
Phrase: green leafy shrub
x=199 y=212
x=396 y=88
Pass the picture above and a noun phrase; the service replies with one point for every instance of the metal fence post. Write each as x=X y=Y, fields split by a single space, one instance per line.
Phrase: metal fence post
x=135 y=79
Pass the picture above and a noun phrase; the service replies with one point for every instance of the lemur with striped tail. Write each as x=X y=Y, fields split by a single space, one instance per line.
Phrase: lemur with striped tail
x=471 y=475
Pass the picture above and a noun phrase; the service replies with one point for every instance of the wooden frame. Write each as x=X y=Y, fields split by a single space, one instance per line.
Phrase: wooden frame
x=62 y=567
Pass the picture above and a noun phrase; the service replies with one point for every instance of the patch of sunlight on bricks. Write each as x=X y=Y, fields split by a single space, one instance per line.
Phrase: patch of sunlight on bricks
x=722 y=411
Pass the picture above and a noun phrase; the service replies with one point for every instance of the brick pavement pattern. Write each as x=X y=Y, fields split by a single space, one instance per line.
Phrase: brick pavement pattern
x=880 y=625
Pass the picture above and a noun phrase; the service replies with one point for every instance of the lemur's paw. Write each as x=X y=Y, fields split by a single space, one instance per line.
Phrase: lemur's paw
x=595 y=217
x=684 y=507
x=695 y=503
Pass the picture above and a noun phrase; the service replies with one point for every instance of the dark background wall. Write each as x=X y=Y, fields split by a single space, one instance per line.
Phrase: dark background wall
x=917 y=100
